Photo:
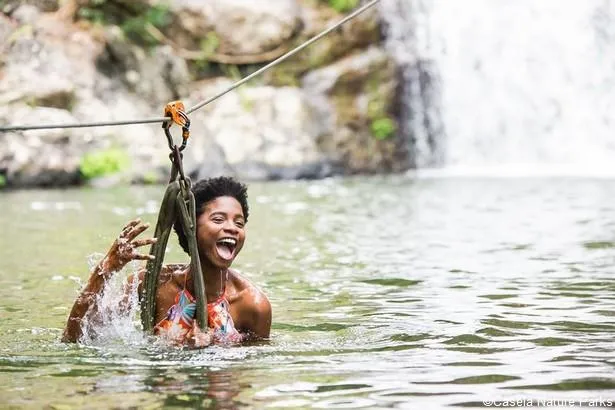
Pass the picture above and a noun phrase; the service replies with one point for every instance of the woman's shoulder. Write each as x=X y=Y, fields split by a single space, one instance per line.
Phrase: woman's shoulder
x=239 y=280
x=253 y=305
x=244 y=287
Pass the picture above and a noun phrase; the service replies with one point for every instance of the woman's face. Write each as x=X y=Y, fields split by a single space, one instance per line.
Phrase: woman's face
x=220 y=231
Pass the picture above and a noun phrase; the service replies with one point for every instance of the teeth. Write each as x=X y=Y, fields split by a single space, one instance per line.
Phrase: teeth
x=228 y=241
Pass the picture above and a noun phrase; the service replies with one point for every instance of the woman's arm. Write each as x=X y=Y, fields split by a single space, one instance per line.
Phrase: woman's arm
x=122 y=251
x=255 y=314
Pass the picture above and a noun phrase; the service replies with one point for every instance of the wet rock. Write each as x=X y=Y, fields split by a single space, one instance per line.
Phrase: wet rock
x=312 y=170
x=38 y=158
x=349 y=97
x=257 y=171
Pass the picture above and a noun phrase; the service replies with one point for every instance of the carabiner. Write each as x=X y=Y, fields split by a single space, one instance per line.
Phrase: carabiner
x=176 y=112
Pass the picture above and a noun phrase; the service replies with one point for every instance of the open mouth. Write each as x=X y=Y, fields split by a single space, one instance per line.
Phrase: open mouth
x=226 y=248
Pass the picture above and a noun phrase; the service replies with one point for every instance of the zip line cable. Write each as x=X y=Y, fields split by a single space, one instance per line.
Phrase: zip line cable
x=285 y=56
x=6 y=128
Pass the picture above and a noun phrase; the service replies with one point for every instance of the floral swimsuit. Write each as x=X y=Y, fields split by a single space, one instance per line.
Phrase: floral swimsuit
x=180 y=319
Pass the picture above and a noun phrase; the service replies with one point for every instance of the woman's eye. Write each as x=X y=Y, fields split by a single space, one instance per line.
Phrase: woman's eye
x=218 y=220
x=239 y=224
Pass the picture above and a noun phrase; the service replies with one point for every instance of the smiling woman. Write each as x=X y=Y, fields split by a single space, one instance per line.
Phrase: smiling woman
x=237 y=310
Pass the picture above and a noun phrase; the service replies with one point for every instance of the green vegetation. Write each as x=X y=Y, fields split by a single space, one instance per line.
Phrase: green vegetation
x=136 y=28
x=382 y=128
x=150 y=178
x=231 y=71
x=2 y=181
x=94 y=12
x=105 y=162
x=135 y=20
x=342 y=5
x=210 y=44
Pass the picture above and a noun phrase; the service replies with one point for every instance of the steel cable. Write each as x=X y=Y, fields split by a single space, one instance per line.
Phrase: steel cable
x=7 y=128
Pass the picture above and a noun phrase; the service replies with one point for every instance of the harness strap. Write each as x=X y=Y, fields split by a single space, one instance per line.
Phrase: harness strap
x=177 y=205
x=187 y=216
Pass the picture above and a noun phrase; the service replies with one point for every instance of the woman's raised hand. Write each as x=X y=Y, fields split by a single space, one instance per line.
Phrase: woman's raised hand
x=124 y=248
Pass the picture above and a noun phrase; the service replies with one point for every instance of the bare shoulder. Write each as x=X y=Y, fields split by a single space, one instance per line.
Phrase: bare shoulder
x=253 y=305
x=245 y=289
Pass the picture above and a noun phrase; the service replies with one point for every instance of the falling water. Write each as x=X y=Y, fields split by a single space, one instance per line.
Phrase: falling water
x=521 y=86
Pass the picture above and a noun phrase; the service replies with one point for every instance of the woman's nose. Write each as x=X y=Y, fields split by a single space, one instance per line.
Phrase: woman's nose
x=230 y=226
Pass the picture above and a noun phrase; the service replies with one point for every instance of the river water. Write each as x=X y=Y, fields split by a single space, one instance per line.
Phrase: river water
x=386 y=291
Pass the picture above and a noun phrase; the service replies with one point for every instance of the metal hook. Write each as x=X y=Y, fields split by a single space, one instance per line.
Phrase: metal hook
x=176 y=111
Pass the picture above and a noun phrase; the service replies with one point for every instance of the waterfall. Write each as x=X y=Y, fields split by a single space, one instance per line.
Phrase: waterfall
x=501 y=84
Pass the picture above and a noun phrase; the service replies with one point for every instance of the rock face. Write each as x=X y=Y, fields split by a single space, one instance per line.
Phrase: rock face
x=263 y=133
x=355 y=35
x=245 y=27
x=348 y=97
x=39 y=158
x=320 y=123
x=50 y=76
x=233 y=31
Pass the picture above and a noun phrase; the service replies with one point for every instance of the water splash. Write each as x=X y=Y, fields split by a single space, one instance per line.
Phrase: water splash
x=118 y=310
x=524 y=84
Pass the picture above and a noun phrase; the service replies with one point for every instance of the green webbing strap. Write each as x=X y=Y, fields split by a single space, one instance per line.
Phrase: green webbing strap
x=178 y=202
x=177 y=205
x=187 y=210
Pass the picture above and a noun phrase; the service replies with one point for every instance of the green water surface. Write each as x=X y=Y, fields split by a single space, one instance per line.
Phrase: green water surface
x=387 y=292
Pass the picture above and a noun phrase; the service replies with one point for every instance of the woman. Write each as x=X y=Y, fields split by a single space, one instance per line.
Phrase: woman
x=237 y=310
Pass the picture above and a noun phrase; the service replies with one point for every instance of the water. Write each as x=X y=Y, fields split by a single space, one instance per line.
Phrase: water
x=523 y=84
x=386 y=292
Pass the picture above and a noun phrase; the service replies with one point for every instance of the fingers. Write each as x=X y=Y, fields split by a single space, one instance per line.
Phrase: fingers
x=142 y=242
x=143 y=257
x=130 y=225
x=136 y=230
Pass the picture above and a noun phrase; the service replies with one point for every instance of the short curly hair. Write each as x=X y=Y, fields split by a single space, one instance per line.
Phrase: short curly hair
x=205 y=191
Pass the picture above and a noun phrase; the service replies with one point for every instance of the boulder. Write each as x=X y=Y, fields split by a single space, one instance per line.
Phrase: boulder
x=9 y=6
x=232 y=31
x=42 y=157
x=156 y=75
x=262 y=132
x=46 y=62
x=245 y=27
